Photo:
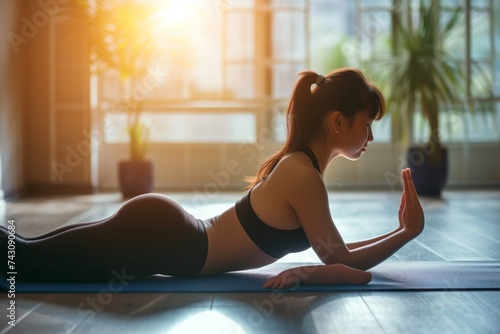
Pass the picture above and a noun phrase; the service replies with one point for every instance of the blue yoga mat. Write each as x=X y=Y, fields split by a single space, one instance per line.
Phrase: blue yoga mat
x=405 y=275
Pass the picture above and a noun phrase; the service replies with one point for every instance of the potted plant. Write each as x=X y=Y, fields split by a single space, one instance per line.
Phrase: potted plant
x=122 y=38
x=422 y=76
x=136 y=174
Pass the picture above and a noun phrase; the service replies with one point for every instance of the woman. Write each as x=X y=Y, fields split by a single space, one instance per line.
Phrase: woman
x=286 y=210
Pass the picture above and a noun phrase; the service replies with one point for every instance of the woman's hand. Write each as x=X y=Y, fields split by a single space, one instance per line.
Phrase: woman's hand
x=411 y=215
x=318 y=275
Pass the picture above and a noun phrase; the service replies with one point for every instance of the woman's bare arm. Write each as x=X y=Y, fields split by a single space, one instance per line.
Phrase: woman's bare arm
x=357 y=244
x=411 y=219
x=367 y=253
x=311 y=207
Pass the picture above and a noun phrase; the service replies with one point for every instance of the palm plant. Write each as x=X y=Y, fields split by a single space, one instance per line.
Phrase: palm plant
x=423 y=76
x=125 y=36
x=122 y=38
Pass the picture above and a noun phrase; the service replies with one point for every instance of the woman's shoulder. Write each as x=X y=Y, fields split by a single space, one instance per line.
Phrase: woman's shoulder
x=295 y=170
x=297 y=162
x=291 y=185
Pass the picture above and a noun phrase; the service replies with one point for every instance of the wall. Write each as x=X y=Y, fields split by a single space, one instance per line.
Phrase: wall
x=27 y=132
x=211 y=169
x=37 y=105
x=57 y=102
x=12 y=103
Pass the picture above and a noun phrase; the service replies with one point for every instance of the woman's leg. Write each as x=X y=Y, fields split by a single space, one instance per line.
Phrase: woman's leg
x=148 y=235
x=55 y=231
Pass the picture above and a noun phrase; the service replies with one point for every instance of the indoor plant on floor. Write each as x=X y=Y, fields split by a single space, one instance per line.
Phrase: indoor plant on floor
x=124 y=39
x=136 y=174
x=422 y=76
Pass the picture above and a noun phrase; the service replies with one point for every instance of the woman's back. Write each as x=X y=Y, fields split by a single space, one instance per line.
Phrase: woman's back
x=272 y=198
x=230 y=246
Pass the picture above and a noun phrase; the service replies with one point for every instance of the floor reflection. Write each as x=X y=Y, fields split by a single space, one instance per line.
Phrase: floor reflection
x=207 y=322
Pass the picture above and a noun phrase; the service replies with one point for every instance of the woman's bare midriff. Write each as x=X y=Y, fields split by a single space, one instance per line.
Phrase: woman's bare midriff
x=229 y=247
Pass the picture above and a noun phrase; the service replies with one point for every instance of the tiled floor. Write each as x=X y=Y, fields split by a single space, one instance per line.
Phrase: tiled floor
x=463 y=226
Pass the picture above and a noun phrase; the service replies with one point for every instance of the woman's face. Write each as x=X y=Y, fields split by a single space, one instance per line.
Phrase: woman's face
x=354 y=139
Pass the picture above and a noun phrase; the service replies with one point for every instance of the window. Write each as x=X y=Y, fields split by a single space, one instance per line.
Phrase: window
x=346 y=33
x=474 y=43
x=237 y=65
x=240 y=60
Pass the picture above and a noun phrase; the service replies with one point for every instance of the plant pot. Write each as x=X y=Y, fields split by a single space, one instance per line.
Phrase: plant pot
x=429 y=169
x=136 y=177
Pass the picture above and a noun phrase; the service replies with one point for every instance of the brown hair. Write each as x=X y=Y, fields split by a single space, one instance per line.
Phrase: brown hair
x=345 y=90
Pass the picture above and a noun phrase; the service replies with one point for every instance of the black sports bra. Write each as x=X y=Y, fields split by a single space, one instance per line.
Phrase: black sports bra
x=274 y=242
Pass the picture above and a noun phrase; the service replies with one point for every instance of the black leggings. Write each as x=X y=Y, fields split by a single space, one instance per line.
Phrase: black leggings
x=150 y=234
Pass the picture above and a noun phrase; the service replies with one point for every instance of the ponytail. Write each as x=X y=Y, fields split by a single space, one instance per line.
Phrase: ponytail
x=300 y=127
x=314 y=95
x=296 y=118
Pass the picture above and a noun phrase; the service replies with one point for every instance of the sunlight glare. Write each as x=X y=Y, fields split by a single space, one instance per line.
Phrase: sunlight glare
x=178 y=26
x=174 y=15
x=207 y=322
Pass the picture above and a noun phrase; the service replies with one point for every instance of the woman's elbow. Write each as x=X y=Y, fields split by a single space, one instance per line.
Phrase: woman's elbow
x=340 y=256
x=347 y=258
